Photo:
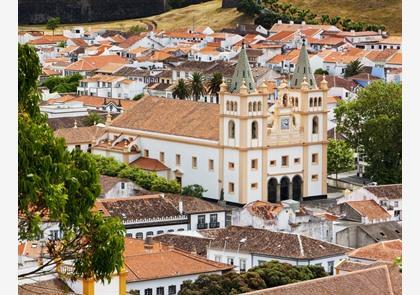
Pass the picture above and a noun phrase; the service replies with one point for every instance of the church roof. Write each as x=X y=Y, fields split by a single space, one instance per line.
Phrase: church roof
x=242 y=73
x=302 y=70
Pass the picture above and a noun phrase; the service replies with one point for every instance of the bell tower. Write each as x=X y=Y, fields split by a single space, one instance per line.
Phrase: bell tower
x=242 y=125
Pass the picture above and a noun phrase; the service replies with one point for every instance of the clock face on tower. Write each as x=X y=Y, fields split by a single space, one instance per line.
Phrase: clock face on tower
x=285 y=123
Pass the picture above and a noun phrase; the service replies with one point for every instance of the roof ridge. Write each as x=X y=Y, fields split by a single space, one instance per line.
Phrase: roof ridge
x=302 y=252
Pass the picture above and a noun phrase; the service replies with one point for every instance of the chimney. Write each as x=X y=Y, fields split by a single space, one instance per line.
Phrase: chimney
x=291 y=22
x=279 y=21
x=148 y=243
x=181 y=207
x=303 y=23
x=351 y=31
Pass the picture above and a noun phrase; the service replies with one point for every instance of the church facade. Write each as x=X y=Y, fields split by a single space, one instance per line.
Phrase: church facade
x=236 y=147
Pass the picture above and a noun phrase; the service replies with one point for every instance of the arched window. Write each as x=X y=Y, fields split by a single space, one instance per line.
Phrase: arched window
x=254 y=130
x=231 y=106
x=296 y=102
x=235 y=106
x=319 y=101
x=291 y=102
x=139 y=235
x=294 y=121
x=285 y=100
x=250 y=107
x=231 y=129
x=315 y=125
x=227 y=106
x=311 y=102
x=259 y=106
x=254 y=106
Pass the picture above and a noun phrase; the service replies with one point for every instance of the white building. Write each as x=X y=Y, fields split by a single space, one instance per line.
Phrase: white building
x=246 y=247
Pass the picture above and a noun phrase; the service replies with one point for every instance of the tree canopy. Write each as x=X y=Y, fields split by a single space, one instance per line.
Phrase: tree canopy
x=374 y=122
x=53 y=23
x=353 y=68
x=63 y=84
x=57 y=185
x=339 y=156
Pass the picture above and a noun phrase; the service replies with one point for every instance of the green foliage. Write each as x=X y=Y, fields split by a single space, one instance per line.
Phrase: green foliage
x=62 y=186
x=196 y=85
x=194 y=190
x=138 y=96
x=340 y=156
x=62 y=44
x=53 y=23
x=63 y=84
x=374 y=122
x=320 y=71
x=269 y=274
x=249 y=7
x=149 y=181
x=181 y=90
x=136 y=29
x=213 y=86
x=93 y=119
x=353 y=68
x=398 y=262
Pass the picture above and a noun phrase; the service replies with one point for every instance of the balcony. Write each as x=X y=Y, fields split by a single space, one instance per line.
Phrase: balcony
x=214 y=224
x=202 y=225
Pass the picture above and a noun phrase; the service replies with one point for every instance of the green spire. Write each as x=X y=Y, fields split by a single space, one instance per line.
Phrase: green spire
x=303 y=69
x=242 y=73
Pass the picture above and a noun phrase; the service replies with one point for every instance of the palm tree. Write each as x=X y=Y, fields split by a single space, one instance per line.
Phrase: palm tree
x=213 y=86
x=196 y=86
x=181 y=90
x=353 y=68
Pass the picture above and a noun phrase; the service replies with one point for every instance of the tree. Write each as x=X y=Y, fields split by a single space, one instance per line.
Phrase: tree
x=249 y=7
x=53 y=23
x=138 y=96
x=63 y=84
x=62 y=44
x=181 y=90
x=213 y=86
x=353 y=68
x=398 y=262
x=325 y=19
x=196 y=86
x=374 y=121
x=93 y=119
x=59 y=185
x=339 y=157
x=334 y=20
x=194 y=190
x=320 y=71
x=136 y=29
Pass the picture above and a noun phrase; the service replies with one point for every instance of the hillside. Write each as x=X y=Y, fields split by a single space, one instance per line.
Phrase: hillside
x=387 y=12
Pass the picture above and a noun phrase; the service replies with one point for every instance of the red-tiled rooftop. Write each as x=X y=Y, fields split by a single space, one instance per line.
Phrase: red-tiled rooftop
x=149 y=164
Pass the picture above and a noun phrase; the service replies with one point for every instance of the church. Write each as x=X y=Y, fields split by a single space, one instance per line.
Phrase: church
x=237 y=147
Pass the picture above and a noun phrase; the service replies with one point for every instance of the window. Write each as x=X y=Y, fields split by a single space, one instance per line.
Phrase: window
x=159 y=232
x=319 y=101
x=122 y=185
x=129 y=235
x=89 y=150
x=315 y=177
x=148 y=291
x=254 y=130
x=194 y=162
x=315 y=125
x=250 y=107
x=213 y=218
x=170 y=230
x=242 y=265
x=395 y=203
x=230 y=260
x=311 y=102
x=259 y=106
x=331 y=267
x=254 y=185
x=314 y=158
x=231 y=165
x=180 y=229
x=273 y=163
x=172 y=290
x=211 y=165
x=201 y=219
x=77 y=147
x=231 y=129
x=285 y=161
x=285 y=100
x=146 y=153
x=217 y=258
x=231 y=187
x=178 y=159
x=149 y=234
x=254 y=164
x=162 y=157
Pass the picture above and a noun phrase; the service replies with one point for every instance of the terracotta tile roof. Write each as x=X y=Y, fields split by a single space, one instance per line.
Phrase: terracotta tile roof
x=282 y=36
x=108 y=182
x=161 y=262
x=131 y=72
x=334 y=41
x=335 y=81
x=265 y=242
x=193 y=205
x=96 y=101
x=118 y=38
x=80 y=134
x=69 y=49
x=172 y=116
x=292 y=55
x=358 y=34
x=49 y=72
x=380 y=56
x=372 y=281
x=111 y=67
x=264 y=210
x=48 y=287
x=396 y=59
x=185 y=243
x=48 y=39
x=369 y=209
x=345 y=56
x=395 y=40
x=138 y=50
x=91 y=63
x=348 y=265
x=387 y=191
x=138 y=207
x=383 y=251
x=79 y=42
x=30 y=249
x=294 y=27
x=184 y=35
x=132 y=40
x=149 y=164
